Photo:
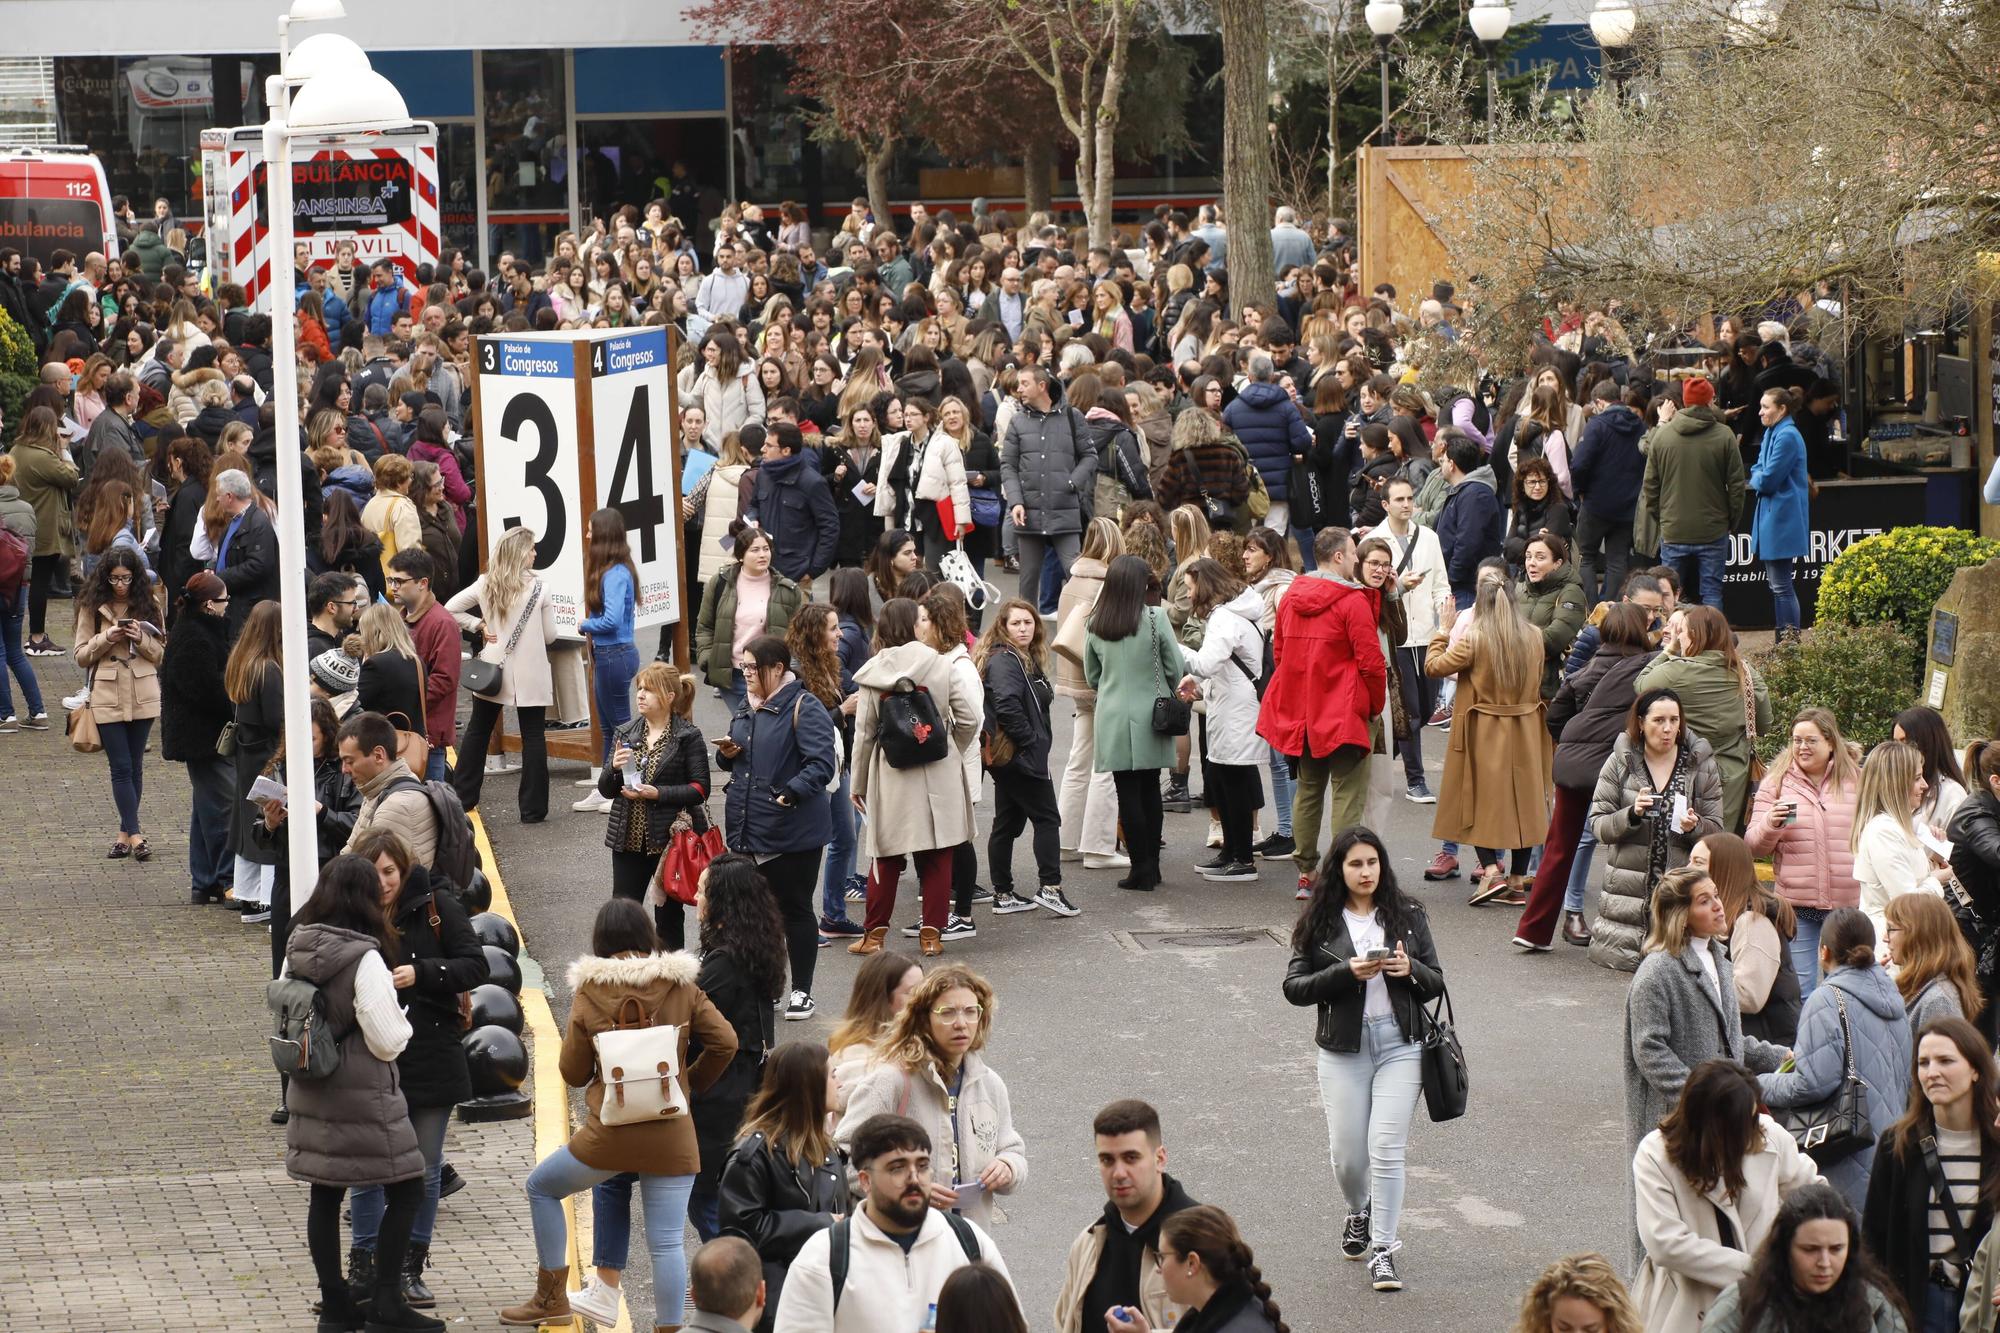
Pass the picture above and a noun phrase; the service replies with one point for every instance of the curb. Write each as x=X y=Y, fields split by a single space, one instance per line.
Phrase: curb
x=551 y=1094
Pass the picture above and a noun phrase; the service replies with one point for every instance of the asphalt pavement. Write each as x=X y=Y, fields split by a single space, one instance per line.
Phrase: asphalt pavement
x=1174 y=996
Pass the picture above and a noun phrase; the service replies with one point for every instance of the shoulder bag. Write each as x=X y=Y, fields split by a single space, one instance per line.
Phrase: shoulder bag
x=1170 y=711
x=1835 y=1129
x=484 y=677
x=1756 y=766
x=1447 y=1084
x=639 y=1064
x=1963 y=1246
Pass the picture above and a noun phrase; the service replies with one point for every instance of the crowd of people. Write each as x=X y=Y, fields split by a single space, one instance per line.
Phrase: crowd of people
x=1260 y=553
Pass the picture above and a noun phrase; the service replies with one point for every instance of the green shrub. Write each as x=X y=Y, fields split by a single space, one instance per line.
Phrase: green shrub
x=1897 y=577
x=17 y=370
x=1865 y=674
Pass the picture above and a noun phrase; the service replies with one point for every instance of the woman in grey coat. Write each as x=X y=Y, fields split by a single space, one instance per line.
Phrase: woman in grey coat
x=1681 y=1009
x=1854 y=986
x=1655 y=763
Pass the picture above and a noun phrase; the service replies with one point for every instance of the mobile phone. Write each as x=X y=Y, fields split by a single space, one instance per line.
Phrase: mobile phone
x=1791 y=809
x=1375 y=955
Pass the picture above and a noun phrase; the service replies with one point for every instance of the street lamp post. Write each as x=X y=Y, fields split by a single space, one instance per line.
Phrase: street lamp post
x=337 y=93
x=1384 y=18
x=1489 y=24
x=1612 y=23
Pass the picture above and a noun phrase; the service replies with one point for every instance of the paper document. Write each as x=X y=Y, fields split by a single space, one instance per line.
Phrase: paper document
x=266 y=789
x=1933 y=842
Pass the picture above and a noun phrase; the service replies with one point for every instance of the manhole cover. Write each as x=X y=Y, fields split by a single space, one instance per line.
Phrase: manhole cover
x=1217 y=937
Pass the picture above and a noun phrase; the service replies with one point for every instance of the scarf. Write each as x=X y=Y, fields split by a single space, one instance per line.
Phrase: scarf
x=1662 y=823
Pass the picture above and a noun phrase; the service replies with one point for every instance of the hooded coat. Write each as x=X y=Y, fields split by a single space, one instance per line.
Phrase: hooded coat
x=1228 y=662
x=1205 y=466
x=927 y=807
x=1625 y=902
x=1882 y=1057
x=1608 y=468
x=1693 y=484
x=1272 y=429
x=787 y=750
x=1328 y=675
x=1556 y=607
x=1468 y=528
x=1712 y=708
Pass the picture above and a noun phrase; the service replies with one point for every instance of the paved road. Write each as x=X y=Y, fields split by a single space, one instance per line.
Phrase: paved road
x=1102 y=1006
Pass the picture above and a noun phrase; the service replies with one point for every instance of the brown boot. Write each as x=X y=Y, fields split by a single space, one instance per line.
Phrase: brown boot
x=1574 y=930
x=550 y=1301
x=871 y=942
x=930 y=942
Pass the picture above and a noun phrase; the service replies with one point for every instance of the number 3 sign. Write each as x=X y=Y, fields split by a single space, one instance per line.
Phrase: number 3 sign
x=570 y=422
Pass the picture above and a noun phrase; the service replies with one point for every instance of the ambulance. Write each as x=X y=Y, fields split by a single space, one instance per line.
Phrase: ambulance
x=378 y=192
x=55 y=197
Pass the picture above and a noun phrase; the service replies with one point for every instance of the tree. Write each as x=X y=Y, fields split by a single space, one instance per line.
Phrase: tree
x=1246 y=151
x=1715 y=186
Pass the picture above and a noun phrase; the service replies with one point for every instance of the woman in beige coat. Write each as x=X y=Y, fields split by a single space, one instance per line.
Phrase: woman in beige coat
x=513 y=614
x=922 y=812
x=1087 y=799
x=1709 y=1183
x=119 y=645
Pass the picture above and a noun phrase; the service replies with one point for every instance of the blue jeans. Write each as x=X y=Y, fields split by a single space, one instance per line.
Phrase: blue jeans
x=1940 y=1312
x=1304 y=537
x=840 y=857
x=1579 y=870
x=1370 y=1096
x=1707 y=560
x=1805 y=949
x=561 y=1175
x=434 y=767
x=16 y=659
x=1784 y=597
x=369 y=1204
x=211 y=865
x=125 y=748
x=1281 y=790
x=612 y=666
x=736 y=695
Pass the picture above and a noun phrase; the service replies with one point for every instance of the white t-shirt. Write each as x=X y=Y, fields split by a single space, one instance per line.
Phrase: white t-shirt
x=1707 y=956
x=1366 y=932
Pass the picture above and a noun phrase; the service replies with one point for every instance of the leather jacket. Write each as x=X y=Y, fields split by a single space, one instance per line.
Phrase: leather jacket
x=1322 y=974
x=777 y=1207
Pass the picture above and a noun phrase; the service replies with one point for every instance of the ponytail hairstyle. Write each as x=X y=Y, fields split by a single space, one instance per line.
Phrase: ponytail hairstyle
x=669 y=682
x=1208 y=1231
x=1849 y=937
x=1982 y=765
x=1789 y=399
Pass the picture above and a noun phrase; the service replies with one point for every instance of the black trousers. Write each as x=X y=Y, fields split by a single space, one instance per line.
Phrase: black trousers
x=323 y=1234
x=964 y=877
x=794 y=881
x=1419 y=698
x=1615 y=540
x=470 y=775
x=1139 y=812
x=1019 y=800
x=631 y=872
x=1239 y=792
x=41 y=577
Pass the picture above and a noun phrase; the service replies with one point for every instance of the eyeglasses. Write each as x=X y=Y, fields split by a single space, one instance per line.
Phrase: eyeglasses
x=120 y=580
x=970 y=1013
x=397 y=581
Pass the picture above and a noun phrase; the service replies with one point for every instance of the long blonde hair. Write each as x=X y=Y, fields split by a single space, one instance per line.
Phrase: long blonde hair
x=1502 y=638
x=1886 y=779
x=381 y=630
x=508 y=577
x=1103 y=541
x=1189 y=528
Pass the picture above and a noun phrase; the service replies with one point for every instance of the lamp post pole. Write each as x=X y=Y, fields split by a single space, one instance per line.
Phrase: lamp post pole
x=1490 y=21
x=1383 y=17
x=1382 y=53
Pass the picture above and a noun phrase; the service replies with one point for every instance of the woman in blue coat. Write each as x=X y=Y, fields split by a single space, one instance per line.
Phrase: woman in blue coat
x=1779 y=535
x=1855 y=988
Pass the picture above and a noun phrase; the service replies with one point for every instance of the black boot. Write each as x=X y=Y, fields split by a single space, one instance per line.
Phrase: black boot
x=390 y=1313
x=414 y=1291
x=449 y=1181
x=1176 y=798
x=360 y=1276
x=337 y=1311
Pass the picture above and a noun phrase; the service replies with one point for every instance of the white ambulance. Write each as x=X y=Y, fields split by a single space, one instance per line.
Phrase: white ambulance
x=54 y=197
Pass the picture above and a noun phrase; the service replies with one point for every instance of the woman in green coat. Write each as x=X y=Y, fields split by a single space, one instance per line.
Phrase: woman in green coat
x=48 y=481
x=1551 y=598
x=1130 y=659
x=1720 y=697
x=746 y=583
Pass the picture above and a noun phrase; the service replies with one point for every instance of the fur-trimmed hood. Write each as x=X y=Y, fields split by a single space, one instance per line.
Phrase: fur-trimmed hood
x=187 y=381
x=632 y=970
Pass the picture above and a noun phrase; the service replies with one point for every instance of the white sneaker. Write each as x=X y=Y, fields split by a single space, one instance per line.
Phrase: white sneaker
x=597 y=1302
x=596 y=803
x=591 y=781
x=1106 y=861
x=496 y=763
x=76 y=701
x=1214 y=831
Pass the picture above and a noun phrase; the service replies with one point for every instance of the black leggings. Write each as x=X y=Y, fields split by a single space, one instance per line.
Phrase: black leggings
x=1139 y=811
x=323 y=1234
x=631 y=872
x=964 y=878
x=41 y=577
x=794 y=881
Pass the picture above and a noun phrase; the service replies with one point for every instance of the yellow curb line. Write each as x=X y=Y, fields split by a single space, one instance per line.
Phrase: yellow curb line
x=551 y=1094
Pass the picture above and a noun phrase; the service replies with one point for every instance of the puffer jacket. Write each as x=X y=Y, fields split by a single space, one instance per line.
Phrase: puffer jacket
x=1079 y=596
x=1624 y=904
x=181 y=400
x=1882 y=1056
x=1556 y=607
x=680 y=774
x=1121 y=466
x=1017 y=703
x=787 y=747
x=1812 y=856
x=1048 y=467
x=1588 y=714
x=1272 y=429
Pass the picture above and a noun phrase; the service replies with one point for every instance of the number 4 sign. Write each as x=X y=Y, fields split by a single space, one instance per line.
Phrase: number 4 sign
x=570 y=422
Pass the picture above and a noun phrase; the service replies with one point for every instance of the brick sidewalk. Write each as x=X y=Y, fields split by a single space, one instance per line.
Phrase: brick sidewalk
x=142 y=1186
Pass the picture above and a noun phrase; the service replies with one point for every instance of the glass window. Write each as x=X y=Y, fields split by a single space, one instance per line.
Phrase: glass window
x=527 y=151
x=458 y=190
x=632 y=161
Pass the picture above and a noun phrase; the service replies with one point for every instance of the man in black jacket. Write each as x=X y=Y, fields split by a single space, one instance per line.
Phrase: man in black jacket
x=1607 y=469
x=246 y=559
x=263 y=454
x=1468 y=526
x=792 y=502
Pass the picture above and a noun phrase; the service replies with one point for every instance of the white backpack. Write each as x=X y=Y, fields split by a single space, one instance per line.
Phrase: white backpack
x=639 y=1065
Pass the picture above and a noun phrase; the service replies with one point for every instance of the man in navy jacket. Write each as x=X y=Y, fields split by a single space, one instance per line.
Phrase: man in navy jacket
x=792 y=502
x=1606 y=470
x=1469 y=524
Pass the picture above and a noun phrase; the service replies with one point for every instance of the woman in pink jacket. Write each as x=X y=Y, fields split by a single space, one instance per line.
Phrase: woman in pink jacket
x=1802 y=817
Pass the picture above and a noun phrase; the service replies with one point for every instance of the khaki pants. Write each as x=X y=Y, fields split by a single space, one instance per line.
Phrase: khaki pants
x=1339 y=784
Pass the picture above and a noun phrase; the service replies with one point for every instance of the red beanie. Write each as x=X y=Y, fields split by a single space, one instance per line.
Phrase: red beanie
x=1697 y=392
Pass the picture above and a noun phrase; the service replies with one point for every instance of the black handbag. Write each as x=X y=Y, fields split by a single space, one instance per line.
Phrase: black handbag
x=1308 y=495
x=1835 y=1129
x=1447 y=1084
x=1170 y=712
x=483 y=677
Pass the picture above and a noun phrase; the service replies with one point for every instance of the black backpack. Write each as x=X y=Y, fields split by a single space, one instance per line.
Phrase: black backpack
x=455 y=857
x=911 y=730
x=1262 y=680
x=840 y=1244
x=303 y=1043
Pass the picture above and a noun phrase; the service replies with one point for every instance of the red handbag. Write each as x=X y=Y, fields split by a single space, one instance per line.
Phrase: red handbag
x=688 y=854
